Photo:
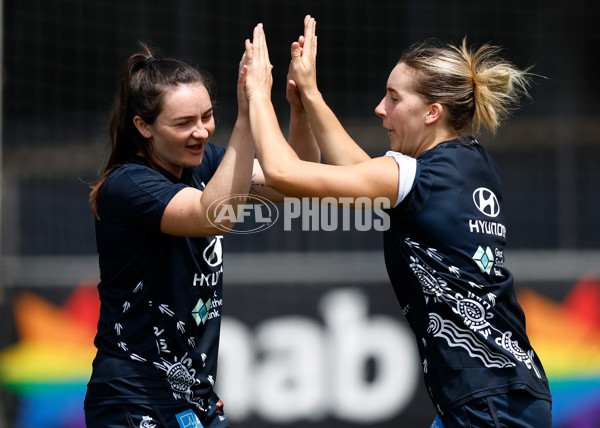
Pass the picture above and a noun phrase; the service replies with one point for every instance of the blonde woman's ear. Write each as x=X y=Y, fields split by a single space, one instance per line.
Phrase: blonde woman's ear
x=434 y=113
x=142 y=126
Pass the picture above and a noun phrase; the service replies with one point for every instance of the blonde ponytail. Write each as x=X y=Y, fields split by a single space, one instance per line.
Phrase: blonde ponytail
x=476 y=89
x=497 y=86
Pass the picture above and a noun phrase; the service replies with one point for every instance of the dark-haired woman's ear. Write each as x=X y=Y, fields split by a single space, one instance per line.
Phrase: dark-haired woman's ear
x=142 y=127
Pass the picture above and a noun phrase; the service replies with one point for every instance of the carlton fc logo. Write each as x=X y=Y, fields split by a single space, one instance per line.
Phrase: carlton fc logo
x=486 y=202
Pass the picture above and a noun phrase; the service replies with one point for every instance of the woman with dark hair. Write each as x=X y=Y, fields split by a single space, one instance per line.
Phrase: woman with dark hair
x=444 y=249
x=159 y=240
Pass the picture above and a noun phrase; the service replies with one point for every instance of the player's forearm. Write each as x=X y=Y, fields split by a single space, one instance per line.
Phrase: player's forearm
x=234 y=172
x=301 y=138
x=275 y=155
x=337 y=147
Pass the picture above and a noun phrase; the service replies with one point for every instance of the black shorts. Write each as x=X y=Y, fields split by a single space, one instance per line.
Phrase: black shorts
x=155 y=416
x=514 y=409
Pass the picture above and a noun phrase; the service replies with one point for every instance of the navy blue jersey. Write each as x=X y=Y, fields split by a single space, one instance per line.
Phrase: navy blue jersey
x=444 y=254
x=161 y=295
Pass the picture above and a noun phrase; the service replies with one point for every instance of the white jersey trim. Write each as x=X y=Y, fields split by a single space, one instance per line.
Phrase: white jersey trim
x=407 y=171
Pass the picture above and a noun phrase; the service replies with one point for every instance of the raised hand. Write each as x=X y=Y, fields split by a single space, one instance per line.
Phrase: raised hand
x=304 y=56
x=243 y=106
x=259 y=79
x=291 y=90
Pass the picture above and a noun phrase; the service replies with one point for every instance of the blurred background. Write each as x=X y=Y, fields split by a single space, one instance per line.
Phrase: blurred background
x=312 y=333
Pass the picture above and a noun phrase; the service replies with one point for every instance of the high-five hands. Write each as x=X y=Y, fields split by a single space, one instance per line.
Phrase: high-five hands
x=304 y=55
x=257 y=67
x=292 y=95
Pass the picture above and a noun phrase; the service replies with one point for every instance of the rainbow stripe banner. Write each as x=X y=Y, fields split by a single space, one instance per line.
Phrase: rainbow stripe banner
x=50 y=365
x=48 y=368
x=566 y=337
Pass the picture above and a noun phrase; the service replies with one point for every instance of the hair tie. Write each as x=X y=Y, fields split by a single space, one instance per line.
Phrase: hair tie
x=150 y=60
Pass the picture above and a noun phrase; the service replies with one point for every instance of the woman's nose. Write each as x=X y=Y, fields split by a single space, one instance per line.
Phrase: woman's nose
x=200 y=131
x=379 y=110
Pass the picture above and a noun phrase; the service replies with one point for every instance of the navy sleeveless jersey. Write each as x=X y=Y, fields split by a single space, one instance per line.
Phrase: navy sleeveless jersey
x=444 y=253
x=161 y=295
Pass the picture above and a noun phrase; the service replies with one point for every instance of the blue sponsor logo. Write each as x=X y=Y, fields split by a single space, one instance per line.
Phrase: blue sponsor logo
x=188 y=419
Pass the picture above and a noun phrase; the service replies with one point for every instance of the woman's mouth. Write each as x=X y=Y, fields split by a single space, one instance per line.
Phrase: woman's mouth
x=196 y=148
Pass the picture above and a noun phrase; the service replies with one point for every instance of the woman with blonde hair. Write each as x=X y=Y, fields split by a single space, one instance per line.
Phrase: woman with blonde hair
x=444 y=249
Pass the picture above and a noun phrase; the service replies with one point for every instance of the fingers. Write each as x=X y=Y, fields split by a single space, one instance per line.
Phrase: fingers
x=257 y=48
x=290 y=79
x=242 y=62
x=259 y=45
x=309 y=34
x=256 y=39
x=296 y=50
x=256 y=34
x=255 y=69
x=254 y=47
x=249 y=54
x=243 y=68
x=259 y=39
